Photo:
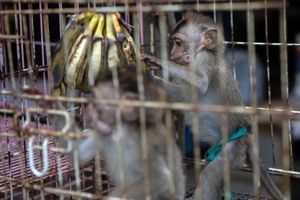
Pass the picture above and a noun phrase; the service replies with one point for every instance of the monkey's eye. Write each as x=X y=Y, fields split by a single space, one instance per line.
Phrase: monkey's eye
x=177 y=42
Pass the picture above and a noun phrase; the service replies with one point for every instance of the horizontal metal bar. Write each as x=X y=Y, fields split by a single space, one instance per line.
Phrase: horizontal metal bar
x=285 y=112
x=237 y=6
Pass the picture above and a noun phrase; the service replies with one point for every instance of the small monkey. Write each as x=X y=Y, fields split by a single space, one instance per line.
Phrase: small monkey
x=197 y=58
x=127 y=140
x=166 y=179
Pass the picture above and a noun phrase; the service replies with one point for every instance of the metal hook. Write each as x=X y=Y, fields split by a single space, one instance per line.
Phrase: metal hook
x=45 y=157
x=64 y=113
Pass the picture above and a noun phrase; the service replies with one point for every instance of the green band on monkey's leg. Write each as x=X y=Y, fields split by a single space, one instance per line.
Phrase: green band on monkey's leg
x=213 y=151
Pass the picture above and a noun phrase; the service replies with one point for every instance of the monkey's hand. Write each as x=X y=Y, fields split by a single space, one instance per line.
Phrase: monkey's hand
x=152 y=62
x=94 y=122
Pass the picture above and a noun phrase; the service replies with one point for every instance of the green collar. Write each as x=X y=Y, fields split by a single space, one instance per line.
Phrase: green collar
x=213 y=151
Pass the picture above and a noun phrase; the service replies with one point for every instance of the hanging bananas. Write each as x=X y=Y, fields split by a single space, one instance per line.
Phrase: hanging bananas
x=91 y=46
x=60 y=57
x=75 y=65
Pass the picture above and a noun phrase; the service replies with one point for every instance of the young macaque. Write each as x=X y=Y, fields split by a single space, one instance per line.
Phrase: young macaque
x=197 y=59
x=122 y=146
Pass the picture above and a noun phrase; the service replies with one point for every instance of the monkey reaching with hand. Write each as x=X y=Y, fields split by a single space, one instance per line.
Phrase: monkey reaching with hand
x=197 y=59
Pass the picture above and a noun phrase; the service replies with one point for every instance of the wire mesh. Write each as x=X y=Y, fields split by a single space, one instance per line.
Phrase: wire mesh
x=30 y=30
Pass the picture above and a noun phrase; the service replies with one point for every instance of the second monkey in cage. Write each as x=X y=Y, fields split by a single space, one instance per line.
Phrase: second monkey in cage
x=197 y=58
x=121 y=142
x=122 y=146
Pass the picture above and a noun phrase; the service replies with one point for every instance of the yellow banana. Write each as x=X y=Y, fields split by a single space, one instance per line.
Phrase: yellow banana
x=85 y=17
x=117 y=27
x=84 y=85
x=115 y=55
x=60 y=57
x=75 y=66
x=56 y=92
x=97 y=66
x=63 y=89
x=60 y=91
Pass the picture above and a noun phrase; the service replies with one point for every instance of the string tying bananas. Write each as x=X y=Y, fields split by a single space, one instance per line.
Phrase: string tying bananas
x=92 y=45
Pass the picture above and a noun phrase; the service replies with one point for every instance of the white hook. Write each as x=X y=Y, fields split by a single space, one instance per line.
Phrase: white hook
x=64 y=113
x=45 y=157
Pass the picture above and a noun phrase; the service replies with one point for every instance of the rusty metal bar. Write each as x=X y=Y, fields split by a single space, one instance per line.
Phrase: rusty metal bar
x=156 y=8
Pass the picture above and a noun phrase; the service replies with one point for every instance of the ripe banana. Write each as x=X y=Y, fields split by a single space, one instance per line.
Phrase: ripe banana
x=97 y=66
x=85 y=17
x=84 y=85
x=60 y=91
x=117 y=27
x=60 y=57
x=115 y=55
x=75 y=66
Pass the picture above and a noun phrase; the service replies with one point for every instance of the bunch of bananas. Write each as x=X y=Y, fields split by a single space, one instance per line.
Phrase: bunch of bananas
x=91 y=46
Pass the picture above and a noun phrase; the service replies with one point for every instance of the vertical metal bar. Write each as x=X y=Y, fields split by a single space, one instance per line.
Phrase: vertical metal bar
x=226 y=171
x=32 y=42
x=163 y=45
x=48 y=49
x=141 y=24
x=286 y=134
x=254 y=125
x=62 y=19
x=152 y=40
x=232 y=39
x=170 y=153
x=142 y=114
x=27 y=51
x=269 y=80
x=98 y=172
x=215 y=11
x=76 y=167
x=42 y=44
x=60 y=176
x=10 y=57
x=119 y=129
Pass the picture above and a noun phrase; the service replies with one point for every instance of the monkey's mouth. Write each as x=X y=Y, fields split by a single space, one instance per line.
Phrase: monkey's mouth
x=103 y=127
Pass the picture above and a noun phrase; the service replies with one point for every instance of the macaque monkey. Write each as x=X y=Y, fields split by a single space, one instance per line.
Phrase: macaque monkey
x=197 y=58
x=122 y=146
x=127 y=140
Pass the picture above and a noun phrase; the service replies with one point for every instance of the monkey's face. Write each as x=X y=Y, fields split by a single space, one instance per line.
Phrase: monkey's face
x=191 y=40
x=102 y=117
x=179 y=49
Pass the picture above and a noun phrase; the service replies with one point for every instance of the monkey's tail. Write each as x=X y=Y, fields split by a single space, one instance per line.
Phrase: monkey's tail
x=266 y=179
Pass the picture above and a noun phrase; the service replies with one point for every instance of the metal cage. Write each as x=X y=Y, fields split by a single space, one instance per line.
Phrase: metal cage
x=259 y=52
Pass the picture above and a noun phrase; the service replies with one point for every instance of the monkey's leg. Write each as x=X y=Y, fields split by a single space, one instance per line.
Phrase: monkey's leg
x=211 y=178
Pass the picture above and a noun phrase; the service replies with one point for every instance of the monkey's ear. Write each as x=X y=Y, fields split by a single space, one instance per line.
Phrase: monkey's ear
x=209 y=39
x=129 y=113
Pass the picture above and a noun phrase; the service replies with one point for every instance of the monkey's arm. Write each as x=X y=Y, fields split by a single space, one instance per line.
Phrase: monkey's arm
x=173 y=90
x=198 y=78
x=58 y=122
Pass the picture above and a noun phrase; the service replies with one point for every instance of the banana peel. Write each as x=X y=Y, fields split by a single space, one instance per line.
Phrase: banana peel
x=115 y=55
x=60 y=57
x=60 y=91
x=131 y=51
x=85 y=17
x=117 y=27
x=97 y=66
x=75 y=66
